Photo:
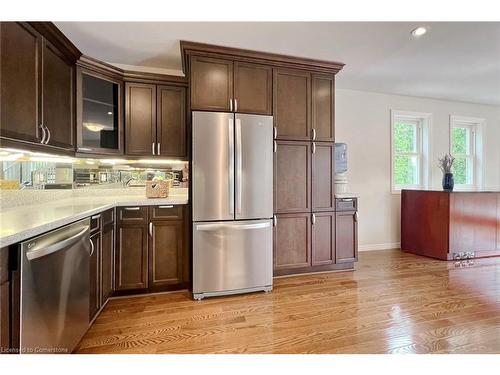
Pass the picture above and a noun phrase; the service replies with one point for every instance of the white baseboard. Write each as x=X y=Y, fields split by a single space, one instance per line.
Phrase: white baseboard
x=379 y=246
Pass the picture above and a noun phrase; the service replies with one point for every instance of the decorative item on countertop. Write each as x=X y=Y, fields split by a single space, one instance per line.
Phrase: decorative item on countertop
x=445 y=164
x=157 y=188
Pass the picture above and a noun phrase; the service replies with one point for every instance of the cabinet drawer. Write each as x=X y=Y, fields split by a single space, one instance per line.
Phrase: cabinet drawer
x=95 y=223
x=346 y=204
x=166 y=212
x=108 y=216
x=133 y=214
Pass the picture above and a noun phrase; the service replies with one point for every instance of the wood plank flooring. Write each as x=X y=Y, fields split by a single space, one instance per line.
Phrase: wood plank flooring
x=392 y=303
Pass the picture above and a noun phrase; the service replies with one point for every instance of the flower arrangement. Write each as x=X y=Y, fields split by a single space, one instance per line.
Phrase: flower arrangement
x=446 y=163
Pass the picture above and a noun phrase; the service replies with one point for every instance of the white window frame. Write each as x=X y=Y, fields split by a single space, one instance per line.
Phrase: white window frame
x=423 y=122
x=475 y=125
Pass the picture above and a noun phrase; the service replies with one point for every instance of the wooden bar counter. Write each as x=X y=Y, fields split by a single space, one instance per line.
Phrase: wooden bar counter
x=450 y=225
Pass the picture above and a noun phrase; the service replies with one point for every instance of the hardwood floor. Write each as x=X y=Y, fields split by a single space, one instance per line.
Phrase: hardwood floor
x=393 y=303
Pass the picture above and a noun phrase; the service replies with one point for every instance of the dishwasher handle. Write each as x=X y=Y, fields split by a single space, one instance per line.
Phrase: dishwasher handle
x=38 y=253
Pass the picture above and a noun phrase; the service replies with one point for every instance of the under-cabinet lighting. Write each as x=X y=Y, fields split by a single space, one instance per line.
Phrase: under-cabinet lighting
x=419 y=31
x=156 y=161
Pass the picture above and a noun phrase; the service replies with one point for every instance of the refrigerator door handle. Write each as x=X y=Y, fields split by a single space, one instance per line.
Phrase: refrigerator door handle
x=230 y=158
x=238 y=166
x=215 y=227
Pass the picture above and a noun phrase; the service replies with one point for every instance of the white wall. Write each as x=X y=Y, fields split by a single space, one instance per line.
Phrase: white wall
x=362 y=120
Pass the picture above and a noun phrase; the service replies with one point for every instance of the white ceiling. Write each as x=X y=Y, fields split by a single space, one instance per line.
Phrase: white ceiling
x=454 y=60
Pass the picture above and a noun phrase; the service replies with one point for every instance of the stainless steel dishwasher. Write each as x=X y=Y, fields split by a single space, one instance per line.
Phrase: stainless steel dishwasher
x=55 y=289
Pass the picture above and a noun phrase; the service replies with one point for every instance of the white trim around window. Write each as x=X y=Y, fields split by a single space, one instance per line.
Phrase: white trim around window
x=474 y=152
x=422 y=122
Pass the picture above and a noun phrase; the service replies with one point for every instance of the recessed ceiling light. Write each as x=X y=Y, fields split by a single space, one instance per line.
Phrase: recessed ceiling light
x=419 y=31
x=110 y=113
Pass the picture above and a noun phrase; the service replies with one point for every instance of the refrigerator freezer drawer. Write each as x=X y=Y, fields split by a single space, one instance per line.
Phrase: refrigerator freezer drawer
x=232 y=257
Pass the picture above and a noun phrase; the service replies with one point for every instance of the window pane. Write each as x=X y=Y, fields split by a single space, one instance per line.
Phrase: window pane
x=460 y=139
x=405 y=137
x=406 y=170
x=462 y=170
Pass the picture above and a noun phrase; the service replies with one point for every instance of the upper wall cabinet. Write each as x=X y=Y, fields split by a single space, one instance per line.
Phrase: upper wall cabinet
x=211 y=84
x=37 y=86
x=230 y=86
x=292 y=99
x=253 y=87
x=20 y=53
x=99 y=113
x=323 y=107
x=155 y=120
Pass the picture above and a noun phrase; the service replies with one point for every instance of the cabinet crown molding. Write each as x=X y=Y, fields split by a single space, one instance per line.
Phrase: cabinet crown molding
x=194 y=48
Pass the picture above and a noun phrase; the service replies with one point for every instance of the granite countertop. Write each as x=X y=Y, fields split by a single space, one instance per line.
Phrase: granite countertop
x=20 y=223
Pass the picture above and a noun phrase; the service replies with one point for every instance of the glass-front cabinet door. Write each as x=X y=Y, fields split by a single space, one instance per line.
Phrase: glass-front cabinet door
x=99 y=116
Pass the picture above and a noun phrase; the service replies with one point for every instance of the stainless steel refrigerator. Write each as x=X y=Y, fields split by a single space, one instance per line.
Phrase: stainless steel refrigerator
x=232 y=190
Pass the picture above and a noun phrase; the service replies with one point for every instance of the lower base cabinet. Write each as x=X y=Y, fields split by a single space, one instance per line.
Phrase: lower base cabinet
x=314 y=242
x=107 y=255
x=346 y=224
x=131 y=259
x=4 y=316
x=94 y=280
x=323 y=238
x=151 y=249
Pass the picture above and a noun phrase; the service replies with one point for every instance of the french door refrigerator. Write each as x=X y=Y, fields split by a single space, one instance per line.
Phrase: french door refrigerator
x=232 y=191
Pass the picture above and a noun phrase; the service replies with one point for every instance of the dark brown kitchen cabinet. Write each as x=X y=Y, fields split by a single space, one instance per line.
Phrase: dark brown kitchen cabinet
x=140 y=119
x=253 y=91
x=155 y=120
x=323 y=107
x=37 y=86
x=99 y=116
x=57 y=97
x=227 y=85
x=4 y=315
x=346 y=245
x=131 y=259
x=20 y=61
x=166 y=246
x=171 y=121
x=292 y=242
x=107 y=255
x=94 y=276
x=211 y=84
x=323 y=171
x=323 y=238
x=4 y=299
x=292 y=177
x=131 y=252
x=292 y=103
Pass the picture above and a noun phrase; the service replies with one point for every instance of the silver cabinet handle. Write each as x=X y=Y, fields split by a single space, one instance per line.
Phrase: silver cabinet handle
x=314 y=147
x=214 y=227
x=238 y=166
x=169 y=206
x=346 y=199
x=38 y=253
x=92 y=248
x=314 y=134
x=158 y=148
x=48 y=136
x=275 y=146
x=230 y=105
x=356 y=217
x=313 y=219
x=44 y=134
x=131 y=208
x=275 y=221
x=153 y=148
x=236 y=105
x=275 y=132
x=230 y=161
x=151 y=229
